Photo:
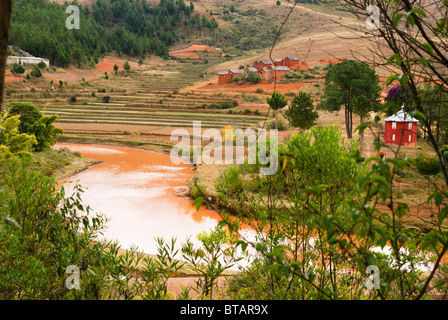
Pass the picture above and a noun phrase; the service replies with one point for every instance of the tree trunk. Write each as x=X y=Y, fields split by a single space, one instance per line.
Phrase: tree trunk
x=276 y=128
x=348 y=123
x=5 y=20
x=361 y=138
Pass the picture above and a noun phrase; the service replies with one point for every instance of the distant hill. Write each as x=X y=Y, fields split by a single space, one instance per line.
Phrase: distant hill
x=134 y=28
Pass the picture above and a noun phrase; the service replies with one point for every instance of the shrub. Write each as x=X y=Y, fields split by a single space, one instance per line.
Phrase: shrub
x=28 y=113
x=253 y=77
x=444 y=151
x=227 y=104
x=282 y=125
x=106 y=99
x=427 y=165
x=307 y=75
x=293 y=75
x=32 y=122
x=42 y=65
x=260 y=90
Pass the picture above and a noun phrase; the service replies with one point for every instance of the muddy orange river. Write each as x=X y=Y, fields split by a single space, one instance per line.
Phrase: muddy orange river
x=134 y=189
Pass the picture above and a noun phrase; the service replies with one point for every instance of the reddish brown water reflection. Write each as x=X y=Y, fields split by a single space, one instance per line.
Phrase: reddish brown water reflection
x=134 y=189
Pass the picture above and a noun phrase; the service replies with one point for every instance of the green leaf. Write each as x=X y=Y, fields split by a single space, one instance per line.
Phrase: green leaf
x=397 y=18
x=261 y=247
x=428 y=48
x=438 y=198
x=418 y=115
x=424 y=62
x=242 y=243
x=198 y=202
x=410 y=18
x=442 y=215
x=397 y=58
x=381 y=180
x=418 y=11
x=391 y=78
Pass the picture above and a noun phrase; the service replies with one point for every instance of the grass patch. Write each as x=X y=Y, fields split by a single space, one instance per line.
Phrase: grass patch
x=61 y=163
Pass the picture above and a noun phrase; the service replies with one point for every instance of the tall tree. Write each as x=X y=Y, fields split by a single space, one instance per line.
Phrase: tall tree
x=5 y=20
x=301 y=112
x=412 y=38
x=354 y=86
x=277 y=101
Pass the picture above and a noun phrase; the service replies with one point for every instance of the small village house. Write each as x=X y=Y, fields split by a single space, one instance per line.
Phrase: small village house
x=266 y=74
x=26 y=60
x=224 y=77
x=235 y=73
x=291 y=62
x=401 y=129
x=260 y=64
x=266 y=69
x=279 y=72
x=278 y=62
x=250 y=69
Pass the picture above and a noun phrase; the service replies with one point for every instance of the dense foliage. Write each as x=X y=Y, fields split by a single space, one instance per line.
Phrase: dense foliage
x=301 y=112
x=354 y=86
x=12 y=142
x=321 y=226
x=32 y=122
x=130 y=27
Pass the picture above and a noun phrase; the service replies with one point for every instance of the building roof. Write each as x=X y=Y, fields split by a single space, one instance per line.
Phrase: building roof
x=266 y=61
x=234 y=71
x=293 y=58
x=252 y=69
x=280 y=68
x=222 y=73
x=401 y=116
x=278 y=60
x=27 y=58
x=266 y=69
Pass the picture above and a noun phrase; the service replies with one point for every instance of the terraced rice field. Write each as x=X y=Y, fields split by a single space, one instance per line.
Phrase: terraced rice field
x=144 y=106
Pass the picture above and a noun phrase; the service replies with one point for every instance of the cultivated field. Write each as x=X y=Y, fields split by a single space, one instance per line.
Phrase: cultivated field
x=142 y=107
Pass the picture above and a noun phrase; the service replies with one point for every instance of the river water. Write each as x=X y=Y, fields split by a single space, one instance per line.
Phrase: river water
x=134 y=189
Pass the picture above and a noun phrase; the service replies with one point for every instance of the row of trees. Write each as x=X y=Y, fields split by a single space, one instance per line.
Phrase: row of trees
x=130 y=27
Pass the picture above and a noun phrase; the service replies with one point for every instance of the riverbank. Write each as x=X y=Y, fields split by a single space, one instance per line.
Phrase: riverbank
x=61 y=163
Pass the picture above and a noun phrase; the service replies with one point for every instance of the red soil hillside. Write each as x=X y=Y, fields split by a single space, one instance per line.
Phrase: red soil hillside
x=190 y=52
x=107 y=65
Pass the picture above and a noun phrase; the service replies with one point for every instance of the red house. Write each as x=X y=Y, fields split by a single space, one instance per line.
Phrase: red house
x=266 y=74
x=235 y=73
x=278 y=62
x=291 y=62
x=250 y=69
x=279 y=72
x=401 y=129
x=224 y=77
x=260 y=64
